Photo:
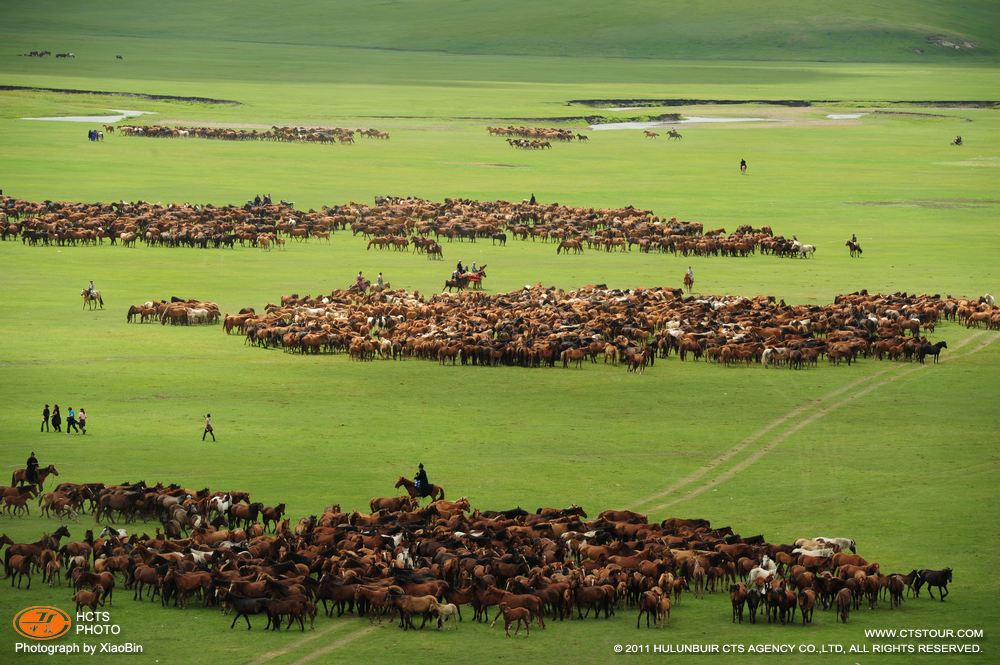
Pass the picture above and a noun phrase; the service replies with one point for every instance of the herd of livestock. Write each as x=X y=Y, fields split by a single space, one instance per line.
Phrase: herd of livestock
x=395 y=222
x=540 y=327
x=406 y=561
x=275 y=133
x=176 y=311
x=537 y=133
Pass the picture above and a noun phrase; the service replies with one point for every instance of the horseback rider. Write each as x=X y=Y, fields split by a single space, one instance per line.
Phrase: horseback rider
x=854 y=239
x=957 y=141
x=473 y=267
x=359 y=282
x=460 y=268
x=31 y=469
x=380 y=281
x=420 y=480
x=90 y=289
x=690 y=273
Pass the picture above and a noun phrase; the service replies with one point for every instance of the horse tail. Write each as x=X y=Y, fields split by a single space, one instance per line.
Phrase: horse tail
x=442 y=491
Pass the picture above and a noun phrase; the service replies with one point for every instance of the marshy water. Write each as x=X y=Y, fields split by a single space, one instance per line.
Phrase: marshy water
x=121 y=115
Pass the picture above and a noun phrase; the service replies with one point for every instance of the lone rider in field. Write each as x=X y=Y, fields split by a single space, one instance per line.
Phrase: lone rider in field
x=743 y=166
x=420 y=480
x=31 y=469
x=90 y=289
x=690 y=273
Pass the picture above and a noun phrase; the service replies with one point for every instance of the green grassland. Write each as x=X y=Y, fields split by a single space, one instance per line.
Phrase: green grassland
x=901 y=459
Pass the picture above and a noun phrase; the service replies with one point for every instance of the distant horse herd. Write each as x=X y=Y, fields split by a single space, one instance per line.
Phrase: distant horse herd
x=176 y=311
x=275 y=133
x=405 y=561
x=543 y=327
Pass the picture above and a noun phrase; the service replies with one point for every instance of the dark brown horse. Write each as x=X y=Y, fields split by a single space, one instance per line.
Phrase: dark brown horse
x=436 y=491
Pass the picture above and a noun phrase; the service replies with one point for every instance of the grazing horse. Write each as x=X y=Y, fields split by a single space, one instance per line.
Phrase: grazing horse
x=20 y=477
x=688 y=282
x=567 y=245
x=435 y=492
x=855 y=249
x=91 y=299
x=931 y=350
x=933 y=578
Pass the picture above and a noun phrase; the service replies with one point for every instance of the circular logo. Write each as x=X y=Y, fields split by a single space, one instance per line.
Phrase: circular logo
x=42 y=622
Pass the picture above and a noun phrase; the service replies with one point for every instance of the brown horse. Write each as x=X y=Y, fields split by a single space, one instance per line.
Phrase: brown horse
x=91 y=299
x=20 y=477
x=436 y=491
x=688 y=282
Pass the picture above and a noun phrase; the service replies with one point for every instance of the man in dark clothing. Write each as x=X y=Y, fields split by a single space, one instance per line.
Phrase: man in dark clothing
x=460 y=268
x=56 y=419
x=45 y=419
x=532 y=201
x=743 y=166
x=423 y=485
x=31 y=469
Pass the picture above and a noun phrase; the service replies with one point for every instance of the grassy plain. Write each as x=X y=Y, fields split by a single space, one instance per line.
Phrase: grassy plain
x=902 y=459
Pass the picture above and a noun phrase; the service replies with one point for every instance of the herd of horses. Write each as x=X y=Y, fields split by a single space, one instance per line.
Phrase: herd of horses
x=543 y=327
x=176 y=311
x=275 y=133
x=537 y=133
x=56 y=224
x=391 y=223
x=403 y=560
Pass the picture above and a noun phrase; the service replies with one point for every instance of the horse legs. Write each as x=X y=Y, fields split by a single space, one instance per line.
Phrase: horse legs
x=942 y=593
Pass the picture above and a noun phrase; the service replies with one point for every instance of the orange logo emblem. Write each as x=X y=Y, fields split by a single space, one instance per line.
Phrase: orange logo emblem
x=42 y=622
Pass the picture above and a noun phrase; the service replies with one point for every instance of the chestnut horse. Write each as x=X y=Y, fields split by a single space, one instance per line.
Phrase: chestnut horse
x=91 y=299
x=21 y=476
x=436 y=491
x=688 y=282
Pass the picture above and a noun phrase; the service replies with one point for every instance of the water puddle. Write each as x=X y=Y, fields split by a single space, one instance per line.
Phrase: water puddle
x=122 y=114
x=691 y=120
x=845 y=116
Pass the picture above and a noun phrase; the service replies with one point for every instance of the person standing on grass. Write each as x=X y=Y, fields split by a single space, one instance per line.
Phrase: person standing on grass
x=71 y=421
x=45 y=419
x=56 y=419
x=208 y=427
x=82 y=421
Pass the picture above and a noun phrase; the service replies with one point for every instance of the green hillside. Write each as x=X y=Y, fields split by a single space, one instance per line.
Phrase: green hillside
x=811 y=30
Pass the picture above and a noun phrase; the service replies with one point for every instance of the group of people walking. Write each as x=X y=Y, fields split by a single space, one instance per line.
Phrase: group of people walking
x=76 y=421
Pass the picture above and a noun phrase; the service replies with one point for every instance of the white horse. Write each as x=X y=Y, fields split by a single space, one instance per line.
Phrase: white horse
x=197 y=315
x=842 y=543
x=989 y=300
x=766 y=568
x=806 y=251
x=825 y=552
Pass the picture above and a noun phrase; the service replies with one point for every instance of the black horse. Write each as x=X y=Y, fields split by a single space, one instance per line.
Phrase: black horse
x=931 y=350
x=933 y=578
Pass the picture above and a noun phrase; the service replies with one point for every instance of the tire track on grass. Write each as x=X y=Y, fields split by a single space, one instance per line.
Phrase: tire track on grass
x=302 y=641
x=333 y=646
x=823 y=411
